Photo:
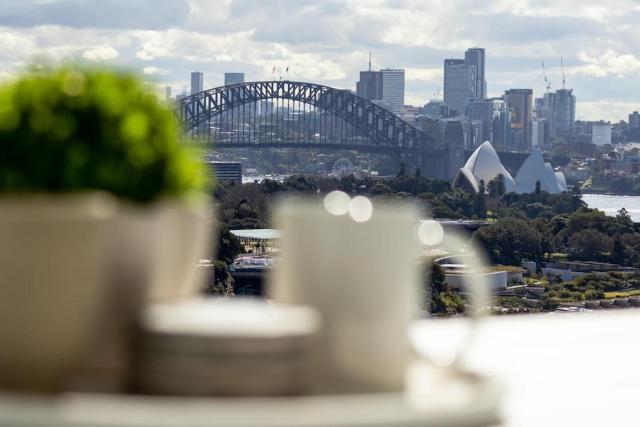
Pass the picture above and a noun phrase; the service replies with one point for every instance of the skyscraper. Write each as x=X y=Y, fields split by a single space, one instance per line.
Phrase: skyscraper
x=370 y=85
x=482 y=111
x=564 y=112
x=393 y=88
x=634 y=120
x=474 y=57
x=459 y=80
x=519 y=102
x=167 y=93
x=197 y=82
x=233 y=78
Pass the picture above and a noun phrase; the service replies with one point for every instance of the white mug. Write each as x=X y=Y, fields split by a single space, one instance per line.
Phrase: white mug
x=358 y=265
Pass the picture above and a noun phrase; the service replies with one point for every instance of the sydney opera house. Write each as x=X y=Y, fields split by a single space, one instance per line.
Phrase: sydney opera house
x=484 y=165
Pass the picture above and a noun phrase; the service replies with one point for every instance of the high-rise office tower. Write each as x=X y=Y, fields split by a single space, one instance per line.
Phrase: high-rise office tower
x=233 y=78
x=167 y=93
x=519 y=102
x=482 y=111
x=564 y=112
x=634 y=120
x=459 y=80
x=501 y=132
x=370 y=85
x=475 y=57
x=393 y=88
x=197 y=82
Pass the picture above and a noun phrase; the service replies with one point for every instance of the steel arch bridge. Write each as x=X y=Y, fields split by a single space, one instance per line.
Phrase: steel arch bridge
x=381 y=129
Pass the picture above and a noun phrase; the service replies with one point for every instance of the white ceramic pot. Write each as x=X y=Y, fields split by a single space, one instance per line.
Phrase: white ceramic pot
x=185 y=236
x=53 y=283
x=154 y=256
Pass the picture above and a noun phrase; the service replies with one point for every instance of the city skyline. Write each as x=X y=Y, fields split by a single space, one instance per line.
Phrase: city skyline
x=597 y=42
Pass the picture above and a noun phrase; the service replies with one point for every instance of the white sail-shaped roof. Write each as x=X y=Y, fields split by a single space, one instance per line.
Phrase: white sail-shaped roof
x=534 y=169
x=562 y=182
x=484 y=165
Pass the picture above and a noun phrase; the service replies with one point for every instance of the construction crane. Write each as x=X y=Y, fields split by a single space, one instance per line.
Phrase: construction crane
x=562 y=68
x=546 y=80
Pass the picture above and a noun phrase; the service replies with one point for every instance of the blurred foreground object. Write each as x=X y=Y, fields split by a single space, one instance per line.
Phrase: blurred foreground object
x=225 y=347
x=358 y=265
x=53 y=284
x=74 y=130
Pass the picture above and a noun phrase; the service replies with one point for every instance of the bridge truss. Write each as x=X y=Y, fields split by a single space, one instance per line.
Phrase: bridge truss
x=294 y=114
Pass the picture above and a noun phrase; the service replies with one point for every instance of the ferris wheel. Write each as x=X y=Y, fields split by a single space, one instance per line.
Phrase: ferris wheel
x=342 y=167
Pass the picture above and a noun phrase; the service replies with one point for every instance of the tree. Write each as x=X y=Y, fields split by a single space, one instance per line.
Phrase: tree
x=479 y=202
x=228 y=246
x=221 y=283
x=587 y=245
x=617 y=255
x=621 y=185
x=502 y=188
x=509 y=241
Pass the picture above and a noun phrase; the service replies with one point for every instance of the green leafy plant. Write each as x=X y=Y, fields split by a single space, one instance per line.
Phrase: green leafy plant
x=72 y=129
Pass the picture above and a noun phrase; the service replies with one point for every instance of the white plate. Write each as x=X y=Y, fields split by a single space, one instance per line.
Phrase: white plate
x=434 y=397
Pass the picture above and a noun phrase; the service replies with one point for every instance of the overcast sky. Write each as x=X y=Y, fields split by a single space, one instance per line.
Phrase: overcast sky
x=328 y=41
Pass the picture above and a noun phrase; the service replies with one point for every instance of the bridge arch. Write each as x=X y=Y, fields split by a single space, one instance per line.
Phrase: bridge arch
x=382 y=128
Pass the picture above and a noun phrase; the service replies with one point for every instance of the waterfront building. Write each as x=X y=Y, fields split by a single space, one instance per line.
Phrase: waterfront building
x=601 y=133
x=534 y=170
x=475 y=57
x=538 y=132
x=233 y=78
x=436 y=108
x=393 y=88
x=370 y=85
x=519 y=103
x=564 y=112
x=483 y=165
x=197 y=82
x=634 y=120
x=501 y=125
x=459 y=81
x=482 y=111
x=226 y=171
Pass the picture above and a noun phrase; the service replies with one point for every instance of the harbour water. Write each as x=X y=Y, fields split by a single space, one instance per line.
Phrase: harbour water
x=611 y=204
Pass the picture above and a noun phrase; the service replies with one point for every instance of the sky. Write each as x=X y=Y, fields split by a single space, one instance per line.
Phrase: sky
x=328 y=42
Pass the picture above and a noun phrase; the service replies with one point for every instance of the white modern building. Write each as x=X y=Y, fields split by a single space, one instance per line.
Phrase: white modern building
x=601 y=133
x=535 y=170
x=393 y=88
x=483 y=165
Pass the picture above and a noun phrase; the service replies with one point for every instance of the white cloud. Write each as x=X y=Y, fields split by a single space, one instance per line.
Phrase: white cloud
x=154 y=71
x=100 y=53
x=429 y=74
x=327 y=42
x=607 y=63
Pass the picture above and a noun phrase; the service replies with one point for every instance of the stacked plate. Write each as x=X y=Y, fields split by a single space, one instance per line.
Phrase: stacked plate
x=224 y=348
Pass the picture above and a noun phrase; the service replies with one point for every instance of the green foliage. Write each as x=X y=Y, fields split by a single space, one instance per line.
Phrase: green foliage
x=443 y=300
x=228 y=246
x=72 y=129
x=221 y=284
x=588 y=245
x=508 y=241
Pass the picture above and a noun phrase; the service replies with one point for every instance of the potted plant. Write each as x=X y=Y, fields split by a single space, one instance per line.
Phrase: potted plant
x=96 y=192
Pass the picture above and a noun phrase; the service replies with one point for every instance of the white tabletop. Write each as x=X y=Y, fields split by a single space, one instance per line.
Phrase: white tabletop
x=578 y=369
